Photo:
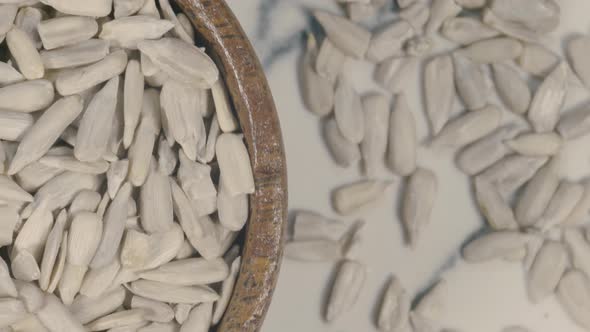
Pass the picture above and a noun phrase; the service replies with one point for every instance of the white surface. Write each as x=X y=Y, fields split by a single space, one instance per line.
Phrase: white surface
x=482 y=298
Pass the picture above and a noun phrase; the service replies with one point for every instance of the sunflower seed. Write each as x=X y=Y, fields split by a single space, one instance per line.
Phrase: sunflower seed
x=59 y=264
x=182 y=310
x=149 y=9
x=546 y=144
x=226 y=291
x=548 y=100
x=171 y=293
x=80 y=54
x=576 y=49
x=67 y=30
x=140 y=153
x=431 y=305
x=154 y=311
x=156 y=202
x=351 y=38
x=394 y=73
x=117 y=319
x=439 y=90
x=537 y=60
x=11 y=311
x=199 y=319
x=574 y=124
x=573 y=292
x=579 y=248
x=314 y=251
x=346 y=289
x=471 y=83
x=374 y=144
x=25 y=54
x=231 y=209
x=114 y=226
x=440 y=12
x=354 y=197
x=7 y=287
x=11 y=191
x=33 y=234
x=127 y=32
x=7 y=16
x=511 y=29
x=562 y=203
x=318 y=91
x=10 y=218
x=58 y=192
x=24 y=267
x=348 y=111
x=185 y=214
x=542 y=16
x=9 y=75
x=70 y=163
x=30 y=295
x=418 y=202
x=395 y=307
x=195 y=179
x=141 y=251
x=116 y=174
x=342 y=150
x=547 y=270
x=493 y=245
x=389 y=41
x=27 y=97
x=97 y=281
x=581 y=209
x=188 y=272
x=493 y=206
x=134 y=84
x=51 y=250
x=148 y=68
x=167 y=158
x=328 y=61
x=469 y=127
x=493 y=50
x=83 y=78
x=512 y=89
x=85 y=200
x=402 y=138
x=466 y=30
x=234 y=164
x=186 y=251
x=186 y=25
x=313 y=226
x=170 y=15
x=183 y=62
x=123 y=8
x=87 y=309
x=93 y=8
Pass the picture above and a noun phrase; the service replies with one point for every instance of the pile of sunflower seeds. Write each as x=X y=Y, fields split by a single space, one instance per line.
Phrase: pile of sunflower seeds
x=534 y=216
x=125 y=179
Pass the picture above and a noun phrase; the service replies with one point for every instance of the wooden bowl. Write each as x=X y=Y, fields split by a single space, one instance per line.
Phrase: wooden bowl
x=220 y=32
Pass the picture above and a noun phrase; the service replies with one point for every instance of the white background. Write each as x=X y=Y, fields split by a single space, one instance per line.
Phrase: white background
x=482 y=298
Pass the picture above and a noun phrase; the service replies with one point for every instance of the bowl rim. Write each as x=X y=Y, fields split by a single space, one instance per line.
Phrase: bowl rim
x=218 y=29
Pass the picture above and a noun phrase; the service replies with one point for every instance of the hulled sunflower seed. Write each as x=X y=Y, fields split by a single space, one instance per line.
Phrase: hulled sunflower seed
x=467 y=30
x=59 y=264
x=579 y=248
x=395 y=307
x=542 y=16
x=7 y=287
x=7 y=16
x=58 y=192
x=547 y=270
x=171 y=293
x=223 y=108
x=153 y=310
x=417 y=14
x=28 y=19
x=354 y=197
x=389 y=41
x=418 y=203
x=318 y=91
x=10 y=218
x=117 y=319
x=493 y=206
x=471 y=83
x=493 y=50
x=439 y=90
x=189 y=272
x=85 y=200
x=346 y=289
x=493 y=245
x=181 y=312
x=31 y=295
x=234 y=164
x=186 y=251
x=573 y=292
x=545 y=144
x=170 y=15
x=80 y=54
x=93 y=8
x=374 y=144
x=231 y=209
x=511 y=29
x=314 y=251
x=55 y=316
x=167 y=158
x=195 y=179
x=66 y=30
x=33 y=234
x=123 y=8
x=199 y=319
x=328 y=61
x=87 y=309
x=469 y=127
x=140 y=153
x=51 y=250
x=512 y=89
x=574 y=124
x=9 y=75
x=537 y=60
x=440 y=12
x=486 y=151
x=27 y=97
x=114 y=226
x=11 y=191
x=548 y=100
x=184 y=62
x=25 y=54
x=156 y=202
x=576 y=49
x=226 y=291
x=141 y=251
x=127 y=32
x=393 y=73
x=70 y=163
x=97 y=281
x=186 y=25
x=83 y=78
x=150 y=9
x=342 y=150
x=134 y=84
x=581 y=209
x=312 y=226
x=402 y=148
x=116 y=174
x=24 y=267
x=511 y=172
x=562 y=203
x=350 y=38
x=348 y=111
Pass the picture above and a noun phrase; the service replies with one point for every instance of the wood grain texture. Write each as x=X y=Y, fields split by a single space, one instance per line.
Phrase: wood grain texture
x=220 y=32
